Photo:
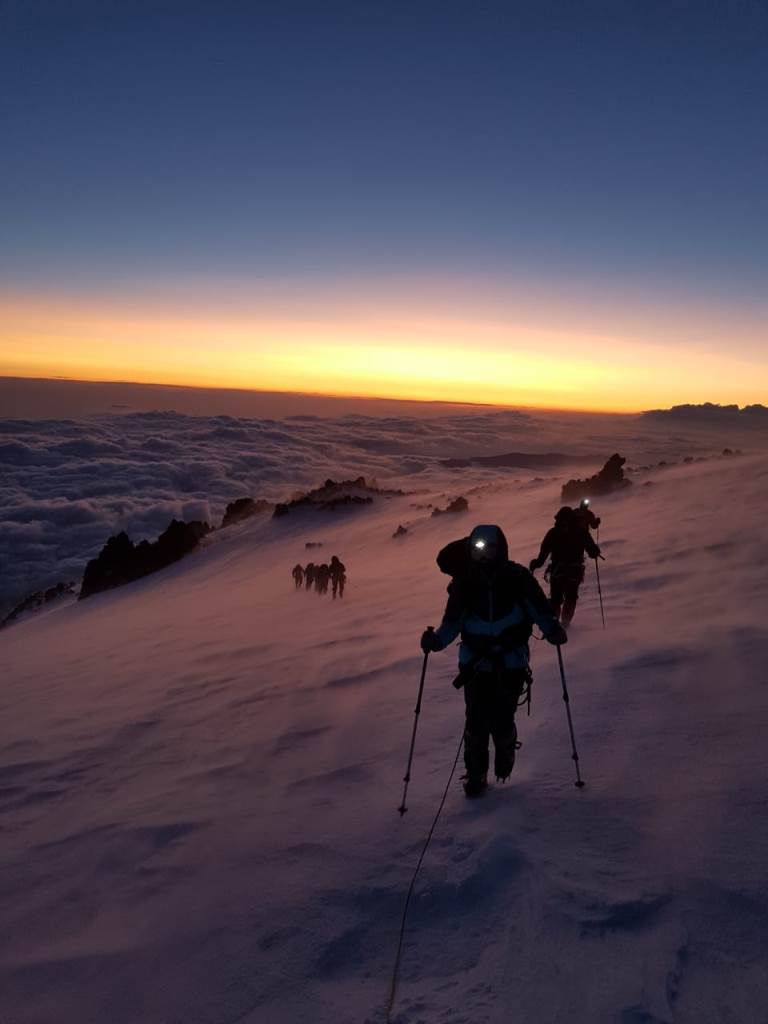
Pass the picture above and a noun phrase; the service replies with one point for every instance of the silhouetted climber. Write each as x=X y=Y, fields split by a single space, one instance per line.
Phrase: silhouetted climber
x=322 y=576
x=298 y=576
x=309 y=575
x=565 y=544
x=585 y=516
x=493 y=603
x=338 y=573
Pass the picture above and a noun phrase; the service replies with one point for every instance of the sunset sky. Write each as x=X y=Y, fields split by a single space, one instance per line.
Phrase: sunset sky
x=550 y=204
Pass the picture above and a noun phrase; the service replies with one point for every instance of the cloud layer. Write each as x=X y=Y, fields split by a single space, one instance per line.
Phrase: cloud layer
x=67 y=485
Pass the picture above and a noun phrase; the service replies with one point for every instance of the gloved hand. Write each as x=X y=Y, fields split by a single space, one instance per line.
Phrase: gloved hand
x=557 y=636
x=533 y=565
x=430 y=641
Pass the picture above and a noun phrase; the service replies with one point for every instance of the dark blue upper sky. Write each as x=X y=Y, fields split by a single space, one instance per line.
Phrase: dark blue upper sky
x=625 y=139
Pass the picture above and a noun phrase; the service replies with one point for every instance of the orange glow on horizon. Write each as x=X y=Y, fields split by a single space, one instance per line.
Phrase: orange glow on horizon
x=400 y=354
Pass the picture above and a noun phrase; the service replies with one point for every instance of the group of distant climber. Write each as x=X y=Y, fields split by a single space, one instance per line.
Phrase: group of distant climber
x=493 y=604
x=321 y=576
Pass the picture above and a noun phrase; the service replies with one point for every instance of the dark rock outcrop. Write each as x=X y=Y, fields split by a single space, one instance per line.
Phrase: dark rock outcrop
x=121 y=561
x=610 y=478
x=456 y=507
x=712 y=414
x=400 y=531
x=347 y=499
x=518 y=460
x=243 y=508
x=335 y=494
x=38 y=599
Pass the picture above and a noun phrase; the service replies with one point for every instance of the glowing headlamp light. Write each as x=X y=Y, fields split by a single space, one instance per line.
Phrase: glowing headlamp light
x=480 y=544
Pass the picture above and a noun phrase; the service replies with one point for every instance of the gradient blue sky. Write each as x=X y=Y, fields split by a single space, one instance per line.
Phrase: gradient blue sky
x=608 y=147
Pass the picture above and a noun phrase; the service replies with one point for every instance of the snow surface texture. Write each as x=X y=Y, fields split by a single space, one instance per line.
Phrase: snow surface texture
x=67 y=485
x=200 y=774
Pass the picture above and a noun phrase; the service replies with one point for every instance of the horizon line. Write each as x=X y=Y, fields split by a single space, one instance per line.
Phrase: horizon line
x=322 y=394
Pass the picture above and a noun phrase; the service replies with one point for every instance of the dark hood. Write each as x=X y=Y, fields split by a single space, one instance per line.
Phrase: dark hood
x=494 y=534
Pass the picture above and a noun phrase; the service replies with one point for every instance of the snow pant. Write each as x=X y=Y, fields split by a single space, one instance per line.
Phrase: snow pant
x=564 y=583
x=491 y=700
x=337 y=582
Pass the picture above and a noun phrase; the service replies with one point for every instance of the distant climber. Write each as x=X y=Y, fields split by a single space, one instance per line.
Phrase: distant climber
x=298 y=576
x=585 y=516
x=565 y=544
x=338 y=573
x=322 y=576
x=493 y=603
x=309 y=575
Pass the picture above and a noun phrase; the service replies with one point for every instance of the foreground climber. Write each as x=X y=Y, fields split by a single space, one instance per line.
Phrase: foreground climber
x=493 y=603
x=566 y=544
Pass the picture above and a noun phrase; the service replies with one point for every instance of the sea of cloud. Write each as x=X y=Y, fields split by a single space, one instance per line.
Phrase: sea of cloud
x=66 y=485
x=167 y=747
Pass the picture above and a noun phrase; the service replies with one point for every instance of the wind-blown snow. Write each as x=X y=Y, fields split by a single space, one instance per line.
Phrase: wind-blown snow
x=200 y=774
x=67 y=485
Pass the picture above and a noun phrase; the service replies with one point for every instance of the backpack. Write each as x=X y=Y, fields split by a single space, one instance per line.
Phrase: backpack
x=454 y=559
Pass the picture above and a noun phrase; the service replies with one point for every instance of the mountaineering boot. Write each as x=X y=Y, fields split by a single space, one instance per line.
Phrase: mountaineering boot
x=474 y=785
x=506 y=748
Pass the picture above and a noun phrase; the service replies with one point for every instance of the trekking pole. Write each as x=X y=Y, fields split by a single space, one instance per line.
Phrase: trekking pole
x=575 y=755
x=407 y=777
x=600 y=592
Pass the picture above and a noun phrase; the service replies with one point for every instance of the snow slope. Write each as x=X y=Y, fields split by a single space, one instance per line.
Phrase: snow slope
x=199 y=777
